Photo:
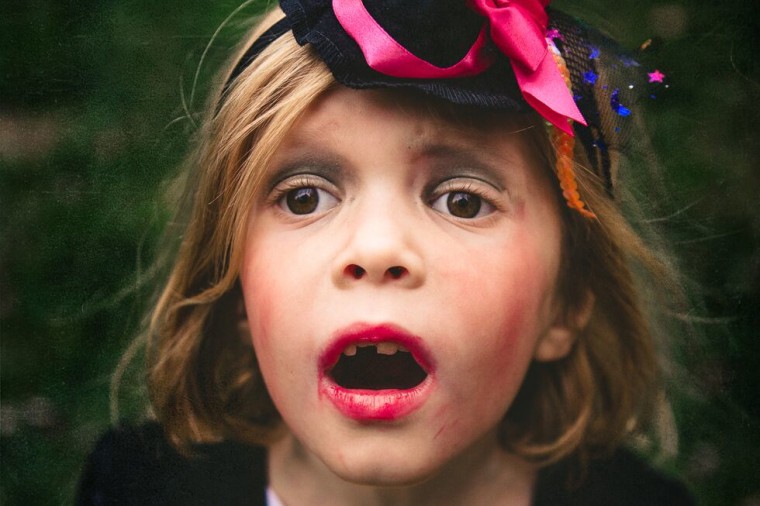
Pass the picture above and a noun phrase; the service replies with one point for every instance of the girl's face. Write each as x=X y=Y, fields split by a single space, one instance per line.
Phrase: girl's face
x=399 y=277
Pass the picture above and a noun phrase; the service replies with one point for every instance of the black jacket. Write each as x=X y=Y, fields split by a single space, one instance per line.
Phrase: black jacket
x=137 y=466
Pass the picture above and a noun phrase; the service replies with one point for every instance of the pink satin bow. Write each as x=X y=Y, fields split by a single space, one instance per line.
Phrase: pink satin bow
x=518 y=29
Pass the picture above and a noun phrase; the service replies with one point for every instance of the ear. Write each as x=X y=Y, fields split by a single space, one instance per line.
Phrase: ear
x=240 y=311
x=242 y=320
x=559 y=339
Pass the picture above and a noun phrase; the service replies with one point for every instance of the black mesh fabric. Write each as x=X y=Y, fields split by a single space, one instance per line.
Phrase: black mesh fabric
x=608 y=85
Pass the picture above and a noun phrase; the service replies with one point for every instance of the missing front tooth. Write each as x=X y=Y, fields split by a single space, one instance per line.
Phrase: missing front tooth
x=370 y=370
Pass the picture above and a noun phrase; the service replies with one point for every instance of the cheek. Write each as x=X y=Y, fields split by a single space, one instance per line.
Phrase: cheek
x=260 y=304
x=505 y=309
x=268 y=274
x=507 y=292
x=280 y=284
x=264 y=303
x=278 y=358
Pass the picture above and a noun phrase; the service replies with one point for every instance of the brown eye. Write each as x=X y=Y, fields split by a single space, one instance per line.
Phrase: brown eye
x=463 y=204
x=307 y=200
x=302 y=200
x=466 y=205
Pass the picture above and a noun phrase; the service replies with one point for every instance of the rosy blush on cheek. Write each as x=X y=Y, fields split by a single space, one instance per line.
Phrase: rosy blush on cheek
x=263 y=311
x=523 y=318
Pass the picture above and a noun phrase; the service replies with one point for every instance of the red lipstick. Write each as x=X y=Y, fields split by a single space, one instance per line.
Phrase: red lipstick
x=381 y=404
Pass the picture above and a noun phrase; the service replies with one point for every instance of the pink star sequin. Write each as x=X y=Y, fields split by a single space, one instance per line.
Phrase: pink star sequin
x=656 y=76
x=554 y=34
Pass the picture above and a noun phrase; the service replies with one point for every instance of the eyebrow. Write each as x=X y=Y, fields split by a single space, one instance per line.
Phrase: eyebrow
x=457 y=160
x=326 y=165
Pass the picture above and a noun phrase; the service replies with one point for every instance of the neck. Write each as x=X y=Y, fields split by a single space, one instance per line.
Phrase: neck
x=482 y=474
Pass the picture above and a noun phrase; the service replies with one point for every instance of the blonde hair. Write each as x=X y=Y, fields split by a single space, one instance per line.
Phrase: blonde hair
x=204 y=382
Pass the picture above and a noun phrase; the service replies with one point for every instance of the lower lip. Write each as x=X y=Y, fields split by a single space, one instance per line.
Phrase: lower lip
x=375 y=405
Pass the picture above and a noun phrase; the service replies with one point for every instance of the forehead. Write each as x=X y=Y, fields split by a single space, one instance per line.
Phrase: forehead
x=426 y=111
x=421 y=125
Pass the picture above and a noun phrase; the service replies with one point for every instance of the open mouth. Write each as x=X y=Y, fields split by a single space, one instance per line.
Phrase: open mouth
x=376 y=373
x=377 y=366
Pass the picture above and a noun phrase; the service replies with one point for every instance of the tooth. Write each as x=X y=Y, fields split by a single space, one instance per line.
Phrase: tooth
x=364 y=345
x=350 y=350
x=387 y=348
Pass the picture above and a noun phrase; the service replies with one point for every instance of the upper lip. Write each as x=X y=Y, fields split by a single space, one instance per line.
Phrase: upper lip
x=366 y=333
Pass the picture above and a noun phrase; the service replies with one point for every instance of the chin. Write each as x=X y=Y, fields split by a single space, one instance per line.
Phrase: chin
x=381 y=471
x=383 y=461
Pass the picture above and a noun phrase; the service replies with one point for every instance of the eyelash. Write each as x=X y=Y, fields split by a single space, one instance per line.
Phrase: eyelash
x=455 y=185
x=452 y=186
x=282 y=188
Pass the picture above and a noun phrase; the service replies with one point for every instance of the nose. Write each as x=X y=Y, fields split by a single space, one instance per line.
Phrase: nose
x=381 y=247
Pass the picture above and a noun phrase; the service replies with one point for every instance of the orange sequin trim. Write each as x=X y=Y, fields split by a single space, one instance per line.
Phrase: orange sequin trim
x=564 y=146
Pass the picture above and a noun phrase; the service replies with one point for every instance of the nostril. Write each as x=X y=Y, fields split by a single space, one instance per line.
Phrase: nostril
x=396 y=272
x=355 y=271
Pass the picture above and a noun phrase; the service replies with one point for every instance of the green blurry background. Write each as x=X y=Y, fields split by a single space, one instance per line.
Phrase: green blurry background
x=92 y=121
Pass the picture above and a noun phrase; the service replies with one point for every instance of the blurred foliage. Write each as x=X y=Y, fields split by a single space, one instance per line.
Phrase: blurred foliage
x=93 y=101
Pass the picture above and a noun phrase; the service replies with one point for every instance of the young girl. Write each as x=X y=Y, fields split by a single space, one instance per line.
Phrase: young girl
x=405 y=277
